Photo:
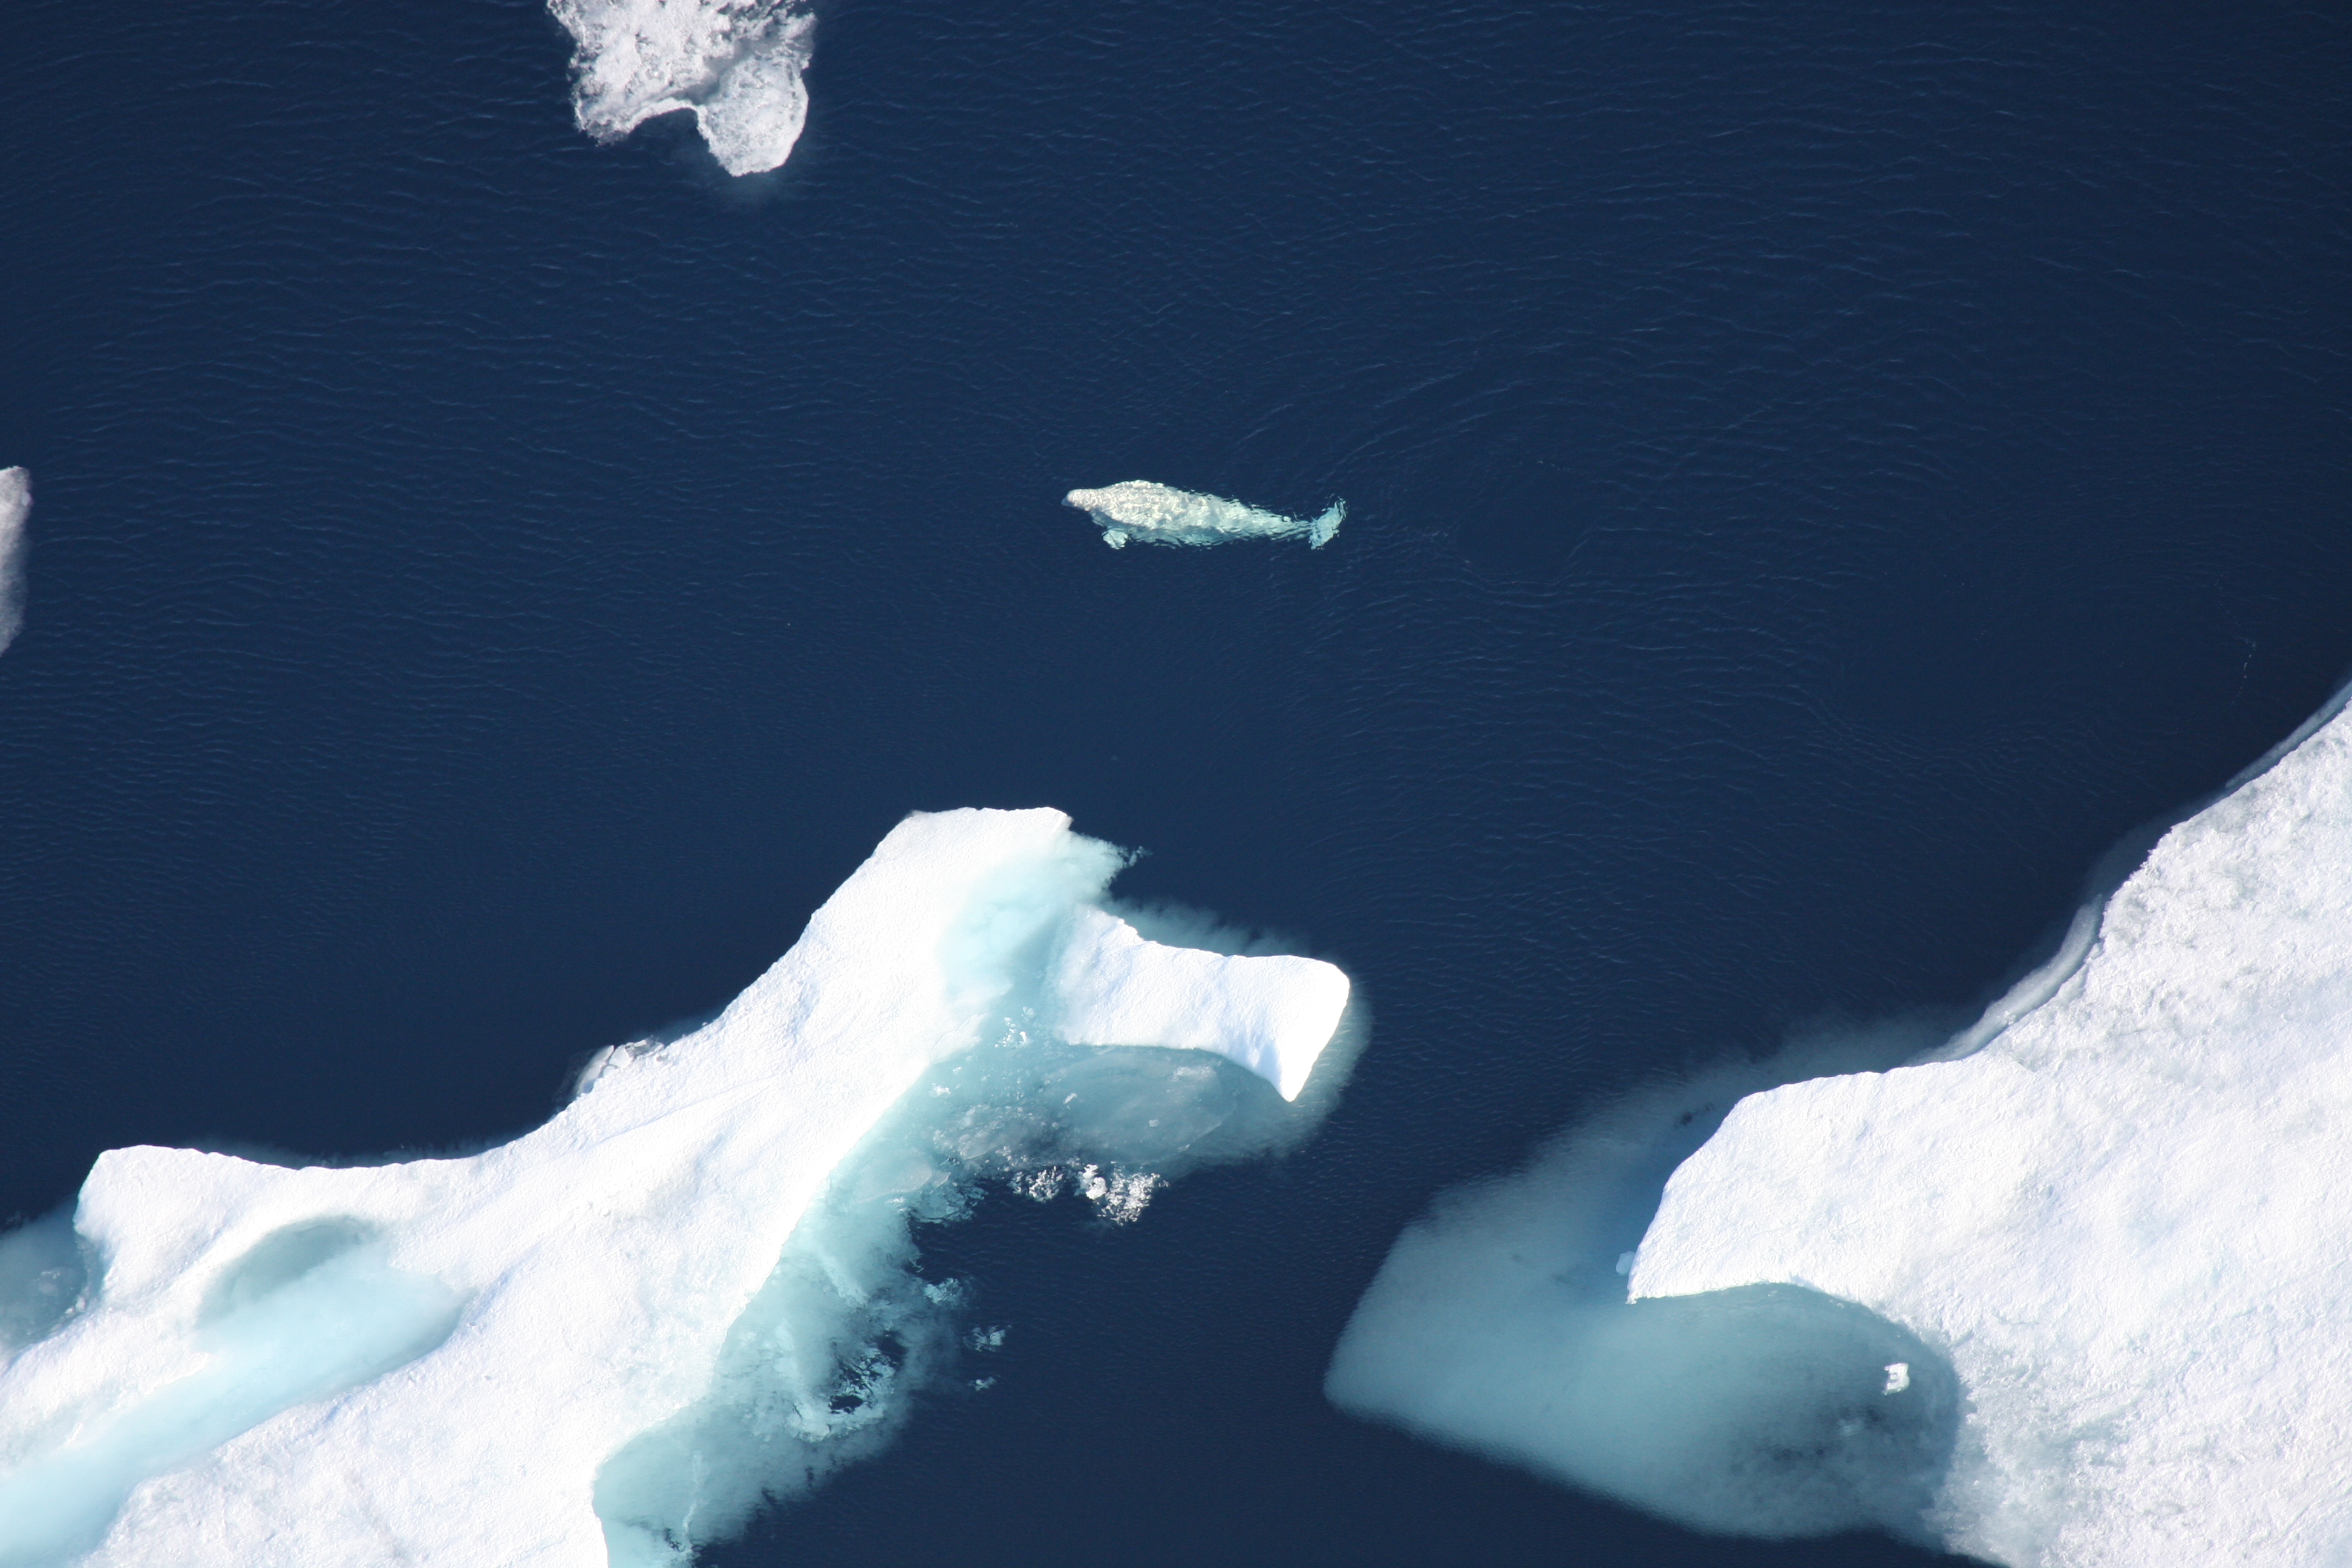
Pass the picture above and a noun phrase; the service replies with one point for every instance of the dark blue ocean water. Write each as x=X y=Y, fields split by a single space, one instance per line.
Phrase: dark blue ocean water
x=1817 y=474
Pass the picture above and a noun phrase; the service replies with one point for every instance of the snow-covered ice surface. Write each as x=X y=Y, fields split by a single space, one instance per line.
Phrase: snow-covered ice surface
x=1112 y=987
x=600 y=1342
x=15 y=506
x=2126 y=1219
x=736 y=64
x=1498 y=1324
x=1139 y=509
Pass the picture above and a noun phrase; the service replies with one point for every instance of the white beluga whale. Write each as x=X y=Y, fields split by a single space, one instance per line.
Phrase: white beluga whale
x=1159 y=514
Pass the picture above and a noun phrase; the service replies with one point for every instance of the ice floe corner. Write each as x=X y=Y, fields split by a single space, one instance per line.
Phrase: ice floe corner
x=2126 y=1217
x=1499 y=1324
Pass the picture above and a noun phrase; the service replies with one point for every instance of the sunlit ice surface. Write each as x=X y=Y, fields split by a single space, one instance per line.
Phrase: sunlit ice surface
x=696 y=1285
x=735 y=64
x=2127 y=1216
x=2067 y=1287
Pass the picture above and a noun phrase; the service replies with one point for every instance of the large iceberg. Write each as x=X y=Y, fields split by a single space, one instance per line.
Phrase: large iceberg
x=2126 y=1218
x=736 y=64
x=1158 y=514
x=15 y=506
x=602 y=1342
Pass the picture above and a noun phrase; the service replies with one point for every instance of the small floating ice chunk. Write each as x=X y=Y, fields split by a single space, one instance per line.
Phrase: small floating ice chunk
x=1139 y=509
x=1274 y=1015
x=15 y=505
x=736 y=64
x=1898 y=1376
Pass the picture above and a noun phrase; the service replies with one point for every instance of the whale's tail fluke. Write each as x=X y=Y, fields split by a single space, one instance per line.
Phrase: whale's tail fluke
x=1319 y=531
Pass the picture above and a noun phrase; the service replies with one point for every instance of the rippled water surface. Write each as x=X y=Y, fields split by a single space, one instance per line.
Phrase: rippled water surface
x=1815 y=478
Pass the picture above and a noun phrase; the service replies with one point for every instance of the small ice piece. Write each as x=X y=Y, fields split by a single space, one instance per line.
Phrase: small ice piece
x=1156 y=514
x=15 y=505
x=2127 y=1216
x=1898 y=1376
x=442 y=1362
x=1624 y=1263
x=736 y=64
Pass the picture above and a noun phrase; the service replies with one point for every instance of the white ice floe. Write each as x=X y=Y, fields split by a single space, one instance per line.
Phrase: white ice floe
x=736 y=64
x=582 y=1346
x=2125 y=1219
x=15 y=506
x=1139 y=509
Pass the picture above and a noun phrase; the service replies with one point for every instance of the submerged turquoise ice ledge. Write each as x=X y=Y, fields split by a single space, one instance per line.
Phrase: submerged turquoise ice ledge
x=605 y=1340
x=2069 y=1291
